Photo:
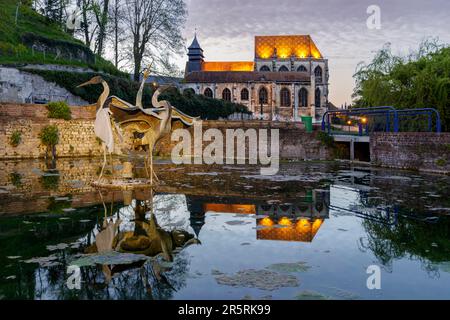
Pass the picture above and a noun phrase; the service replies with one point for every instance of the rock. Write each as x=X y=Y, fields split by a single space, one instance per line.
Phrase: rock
x=289 y=267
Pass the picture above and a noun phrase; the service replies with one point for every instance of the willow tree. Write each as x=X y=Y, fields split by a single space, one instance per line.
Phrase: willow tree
x=155 y=28
x=420 y=80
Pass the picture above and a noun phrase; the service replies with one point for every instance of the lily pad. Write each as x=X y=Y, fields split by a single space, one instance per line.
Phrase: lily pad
x=289 y=267
x=113 y=258
x=60 y=246
x=260 y=279
x=311 y=295
x=49 y=261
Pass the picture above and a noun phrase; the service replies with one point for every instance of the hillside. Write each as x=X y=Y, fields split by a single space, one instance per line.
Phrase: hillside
x=50 y=44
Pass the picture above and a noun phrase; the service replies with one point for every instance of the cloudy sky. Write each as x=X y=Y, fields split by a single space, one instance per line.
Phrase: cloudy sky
x=226 y=30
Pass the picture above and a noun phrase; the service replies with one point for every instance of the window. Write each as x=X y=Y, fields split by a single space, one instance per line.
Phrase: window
x=226 y=94
x=244 y=94
x=264 y=69
x=285 y=97
x=303 y=97
x=302 y=69
x=208 y=93
x=263 y=96
x=317 y=100
x=189 y=92
x=318 y=74
x=283 y=69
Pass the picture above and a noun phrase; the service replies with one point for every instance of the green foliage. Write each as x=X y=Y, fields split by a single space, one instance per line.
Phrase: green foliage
x=59 y=110
x=421 y=80
x=16 y=179
x=16 y=138
x=325 y=139
x=50 y=182
x=441 y=162
x=201 y=106
x=49 y=136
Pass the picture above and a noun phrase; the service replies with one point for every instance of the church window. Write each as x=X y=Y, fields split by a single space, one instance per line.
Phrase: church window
x=317 y=100
x=283 y=69
x=303 y=97
x=318 y=74
x=226 y=94
x=285 y=97
x=264 y=69
x=189 y=92
x=302 y=69
x=208 y=93
x=263 y=96
x=244 y=94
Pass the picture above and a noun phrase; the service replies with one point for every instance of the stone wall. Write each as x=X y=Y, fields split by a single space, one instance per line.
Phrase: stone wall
x=411 y=150
x=77 y=137
x=18 y=86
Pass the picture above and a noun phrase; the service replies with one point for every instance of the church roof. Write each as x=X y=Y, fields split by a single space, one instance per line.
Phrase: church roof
x=195 y=44
x=300 y=46
x=245 y=76
x=229 y=66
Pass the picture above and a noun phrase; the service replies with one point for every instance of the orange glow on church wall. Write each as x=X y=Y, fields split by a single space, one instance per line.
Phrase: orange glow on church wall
x=286 y=46
x=230 y=208
x=229 y=66
x=303 y=230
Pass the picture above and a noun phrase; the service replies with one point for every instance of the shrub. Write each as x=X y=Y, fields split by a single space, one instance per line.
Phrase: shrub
x=325 y=139
x=59 y=110
x=16 y=138
x=441 y=162
x=49 y=136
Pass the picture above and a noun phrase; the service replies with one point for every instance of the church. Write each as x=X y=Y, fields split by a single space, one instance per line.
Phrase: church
x=287 y=80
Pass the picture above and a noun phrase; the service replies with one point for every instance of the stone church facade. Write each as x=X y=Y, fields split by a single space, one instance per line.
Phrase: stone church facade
x=288 y=78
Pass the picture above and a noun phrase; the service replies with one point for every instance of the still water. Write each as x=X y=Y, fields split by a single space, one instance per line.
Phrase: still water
x=224 y=232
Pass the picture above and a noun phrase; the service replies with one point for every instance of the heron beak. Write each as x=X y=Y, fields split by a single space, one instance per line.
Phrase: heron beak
x=84 y=84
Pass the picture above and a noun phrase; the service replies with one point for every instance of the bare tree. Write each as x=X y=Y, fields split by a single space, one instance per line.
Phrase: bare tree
x=155 y=29
x=116 y=15
x=101 y=10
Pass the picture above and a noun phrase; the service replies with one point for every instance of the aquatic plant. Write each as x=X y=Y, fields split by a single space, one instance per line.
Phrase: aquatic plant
x=15 y=139
x=49 y=136
x=59 y=110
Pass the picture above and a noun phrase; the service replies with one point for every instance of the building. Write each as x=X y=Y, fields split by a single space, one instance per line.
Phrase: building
x=287 y=79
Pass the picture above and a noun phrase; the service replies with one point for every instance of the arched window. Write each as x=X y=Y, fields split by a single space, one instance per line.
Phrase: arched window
x=226 y=94
x=303 y=97
x=189 y=92
x=244 y=94
x=285 y=97
x=264 y=69
x=302 y=68
x=263 y=96
x=317 y=100
x=318 y=74
x=283 y=69
x=208 y=93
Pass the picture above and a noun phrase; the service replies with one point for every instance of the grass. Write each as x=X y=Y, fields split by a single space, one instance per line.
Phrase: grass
x=30 y=21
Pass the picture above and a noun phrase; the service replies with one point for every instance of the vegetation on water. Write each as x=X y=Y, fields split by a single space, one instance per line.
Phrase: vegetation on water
x=15 y=139
x=59 y=110
x=420 y=80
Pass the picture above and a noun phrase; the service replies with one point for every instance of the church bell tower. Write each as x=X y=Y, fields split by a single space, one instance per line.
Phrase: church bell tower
x=196 y=57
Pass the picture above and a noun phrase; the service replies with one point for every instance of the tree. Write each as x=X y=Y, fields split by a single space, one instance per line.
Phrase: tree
x=155 y=29
x=101 y=10
x=116 y=15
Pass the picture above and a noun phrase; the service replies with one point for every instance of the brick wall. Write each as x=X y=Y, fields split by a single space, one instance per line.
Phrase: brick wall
x=411 y=150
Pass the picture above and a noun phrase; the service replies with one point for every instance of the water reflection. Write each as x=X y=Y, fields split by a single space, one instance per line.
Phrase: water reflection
x=320 y=214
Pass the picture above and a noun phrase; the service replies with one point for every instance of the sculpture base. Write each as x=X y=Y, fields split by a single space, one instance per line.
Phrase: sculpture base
x=123 y=184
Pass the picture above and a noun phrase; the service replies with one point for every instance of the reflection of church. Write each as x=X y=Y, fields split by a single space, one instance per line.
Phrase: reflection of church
x=288 y=78
x=299 y=221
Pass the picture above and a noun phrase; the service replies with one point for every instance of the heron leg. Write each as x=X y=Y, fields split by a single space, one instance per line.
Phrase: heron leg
x=104 y=161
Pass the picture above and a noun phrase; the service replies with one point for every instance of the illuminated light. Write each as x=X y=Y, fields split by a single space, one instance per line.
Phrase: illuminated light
x=285 y=222
x=349 y=122
x=229 y=66
x=266 y=222
x=364 y=120
x=301 y=46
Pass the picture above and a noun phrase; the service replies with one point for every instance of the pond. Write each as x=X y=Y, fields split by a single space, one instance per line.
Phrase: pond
x=224 y=232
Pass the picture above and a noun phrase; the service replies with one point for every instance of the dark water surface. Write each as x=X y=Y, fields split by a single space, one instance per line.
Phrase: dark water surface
x=310 y=232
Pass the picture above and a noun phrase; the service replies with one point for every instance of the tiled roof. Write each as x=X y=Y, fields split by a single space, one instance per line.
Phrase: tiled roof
x=238 y=76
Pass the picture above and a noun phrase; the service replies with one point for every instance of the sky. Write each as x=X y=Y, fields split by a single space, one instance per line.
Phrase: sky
x=226 y=30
